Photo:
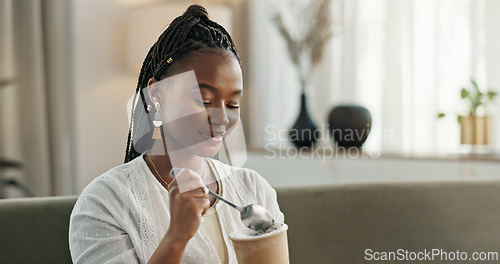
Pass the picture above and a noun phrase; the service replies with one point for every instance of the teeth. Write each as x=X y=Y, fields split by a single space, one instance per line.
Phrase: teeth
x=216 y=135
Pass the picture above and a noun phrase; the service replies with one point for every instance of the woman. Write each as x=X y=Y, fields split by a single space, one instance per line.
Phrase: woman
x=136 y=212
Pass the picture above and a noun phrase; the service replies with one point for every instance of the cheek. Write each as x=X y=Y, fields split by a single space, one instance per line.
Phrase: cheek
x=183 y=113
x=234 y=117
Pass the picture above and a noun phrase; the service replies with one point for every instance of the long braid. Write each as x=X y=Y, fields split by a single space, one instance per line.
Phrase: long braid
x=191 y=31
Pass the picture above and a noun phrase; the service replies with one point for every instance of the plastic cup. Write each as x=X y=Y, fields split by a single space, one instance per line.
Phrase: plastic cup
x=269 y=248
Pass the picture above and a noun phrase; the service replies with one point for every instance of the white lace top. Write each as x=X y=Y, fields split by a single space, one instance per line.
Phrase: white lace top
x=122 y=215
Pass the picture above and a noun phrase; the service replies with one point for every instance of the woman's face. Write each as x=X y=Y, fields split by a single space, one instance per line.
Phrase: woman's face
x=200 y=106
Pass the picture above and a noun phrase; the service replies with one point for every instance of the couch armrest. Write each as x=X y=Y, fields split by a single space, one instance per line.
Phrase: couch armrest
x=35 y=230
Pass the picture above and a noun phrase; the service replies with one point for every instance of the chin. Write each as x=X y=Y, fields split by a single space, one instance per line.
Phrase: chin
x=205 y=150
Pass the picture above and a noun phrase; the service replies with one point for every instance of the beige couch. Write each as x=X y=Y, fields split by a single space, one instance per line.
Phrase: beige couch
x=329 y=224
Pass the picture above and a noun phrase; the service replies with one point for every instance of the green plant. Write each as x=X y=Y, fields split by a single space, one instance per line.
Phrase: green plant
x=475 y=99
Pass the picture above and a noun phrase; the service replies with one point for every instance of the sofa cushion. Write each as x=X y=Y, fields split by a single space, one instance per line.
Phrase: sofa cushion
x=35 y=230
x=327 y=224
x=336 y=224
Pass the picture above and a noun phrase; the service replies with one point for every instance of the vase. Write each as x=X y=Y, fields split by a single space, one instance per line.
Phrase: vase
x=349 y=125
x=475 y=130
x=304 y=132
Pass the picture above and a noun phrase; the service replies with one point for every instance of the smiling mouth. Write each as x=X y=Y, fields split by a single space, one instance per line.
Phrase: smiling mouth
x=214 y=136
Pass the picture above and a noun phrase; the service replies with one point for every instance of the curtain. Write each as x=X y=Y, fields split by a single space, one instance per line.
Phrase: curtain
x=413 y=57
x=35 y=117
x=404 y=60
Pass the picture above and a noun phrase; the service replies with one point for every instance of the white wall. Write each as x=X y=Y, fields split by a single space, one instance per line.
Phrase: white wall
x=102 y=86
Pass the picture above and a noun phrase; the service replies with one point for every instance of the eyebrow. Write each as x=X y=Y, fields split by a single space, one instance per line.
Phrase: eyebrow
x=204 y=85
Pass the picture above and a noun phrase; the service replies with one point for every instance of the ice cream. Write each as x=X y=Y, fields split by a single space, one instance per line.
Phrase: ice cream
x=264 y=247
x=248 y=233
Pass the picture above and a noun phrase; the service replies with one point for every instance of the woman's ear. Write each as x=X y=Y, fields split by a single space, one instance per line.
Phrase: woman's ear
x=153 y=90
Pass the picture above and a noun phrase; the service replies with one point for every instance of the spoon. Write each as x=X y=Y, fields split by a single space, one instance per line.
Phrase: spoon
x=253 y=216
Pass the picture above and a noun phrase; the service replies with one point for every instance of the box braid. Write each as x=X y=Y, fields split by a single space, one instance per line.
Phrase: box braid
x=192 y=31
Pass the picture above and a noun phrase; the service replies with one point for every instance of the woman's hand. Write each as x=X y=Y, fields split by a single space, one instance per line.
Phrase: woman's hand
x=188 y=203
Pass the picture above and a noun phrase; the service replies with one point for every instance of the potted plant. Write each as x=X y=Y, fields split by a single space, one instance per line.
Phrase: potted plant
x=475 y=126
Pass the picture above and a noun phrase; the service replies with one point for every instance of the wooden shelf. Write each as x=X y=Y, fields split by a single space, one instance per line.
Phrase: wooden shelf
x=489 y=157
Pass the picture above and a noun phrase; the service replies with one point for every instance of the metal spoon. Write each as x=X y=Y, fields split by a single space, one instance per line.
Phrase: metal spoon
x=253 y=216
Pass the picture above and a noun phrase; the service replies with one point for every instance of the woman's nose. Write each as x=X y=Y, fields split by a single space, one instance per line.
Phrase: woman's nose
x=218 y=116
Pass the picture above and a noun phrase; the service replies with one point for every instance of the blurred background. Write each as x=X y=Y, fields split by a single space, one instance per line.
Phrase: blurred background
x=68 y=68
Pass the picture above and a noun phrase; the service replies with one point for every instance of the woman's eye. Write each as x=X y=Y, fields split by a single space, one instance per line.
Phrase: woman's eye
x=203 y=102
x=206 y=103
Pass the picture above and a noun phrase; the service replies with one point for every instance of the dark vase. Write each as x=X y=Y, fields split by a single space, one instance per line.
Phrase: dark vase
x=304 y=133
x=350 y=125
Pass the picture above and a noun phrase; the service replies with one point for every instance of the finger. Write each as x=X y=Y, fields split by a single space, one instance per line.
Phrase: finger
x=190 y=186
x=199 y=192
x=174 y=171
x=184 y=174
x=206 y=205
x=204 y=191
x=195 y=182
x=180 y=175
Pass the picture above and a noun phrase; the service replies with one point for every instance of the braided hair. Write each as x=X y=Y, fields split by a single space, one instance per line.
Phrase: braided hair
x=192 y=31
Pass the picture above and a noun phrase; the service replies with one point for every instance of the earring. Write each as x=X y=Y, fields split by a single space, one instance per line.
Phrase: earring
x=157 y=123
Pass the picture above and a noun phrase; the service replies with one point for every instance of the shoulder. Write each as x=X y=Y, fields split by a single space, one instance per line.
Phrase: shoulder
x=112 y=193
x=116 y=180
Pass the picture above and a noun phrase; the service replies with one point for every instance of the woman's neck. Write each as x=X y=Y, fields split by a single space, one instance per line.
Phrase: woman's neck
x=164 y=162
